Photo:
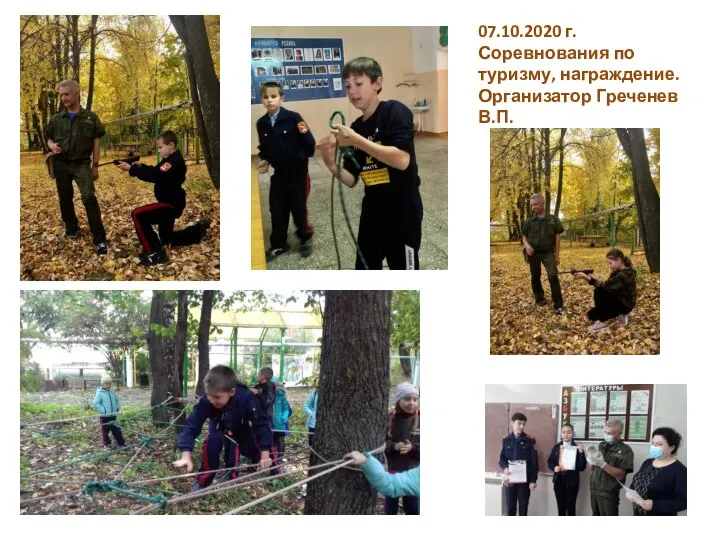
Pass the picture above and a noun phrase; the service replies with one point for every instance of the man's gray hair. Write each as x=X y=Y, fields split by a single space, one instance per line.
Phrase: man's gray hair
x=615 y=423
x=537 y=196
x=69 y=83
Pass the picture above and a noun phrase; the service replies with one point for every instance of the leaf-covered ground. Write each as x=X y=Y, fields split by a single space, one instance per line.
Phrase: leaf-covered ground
x=56 y=444
x=45 y=253
x=517 y=326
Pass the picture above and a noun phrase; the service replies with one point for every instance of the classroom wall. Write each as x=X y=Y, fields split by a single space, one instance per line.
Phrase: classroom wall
x=430 y=64
x=393 y=48
x=669 y=409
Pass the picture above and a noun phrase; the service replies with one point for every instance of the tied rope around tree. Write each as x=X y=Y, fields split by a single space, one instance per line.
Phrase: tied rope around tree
x=340 y=153
x=120 y=486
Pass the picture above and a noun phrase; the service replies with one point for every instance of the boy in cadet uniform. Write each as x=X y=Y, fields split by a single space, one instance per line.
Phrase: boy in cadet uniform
x=168 y=177
x=611 y=461
x=519 y=446
x=541 y=237
x=72 y=135
x=233 y=412
x=392 y=209
x=287 y=144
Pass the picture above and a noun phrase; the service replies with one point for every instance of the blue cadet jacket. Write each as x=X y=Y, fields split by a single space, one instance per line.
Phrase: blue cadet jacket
x=391 y=485
x=572 y=478
x=288 y=144
x=168 y=177
x=310 y=408
x=106 y=402
x=521 y=448
x=243 y=419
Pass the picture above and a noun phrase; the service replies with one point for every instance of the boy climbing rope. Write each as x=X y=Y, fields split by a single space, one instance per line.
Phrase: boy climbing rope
x=384 y=159
x=233 y=412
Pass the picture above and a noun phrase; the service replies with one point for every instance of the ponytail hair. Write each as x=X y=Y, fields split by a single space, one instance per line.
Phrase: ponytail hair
x=616 y=254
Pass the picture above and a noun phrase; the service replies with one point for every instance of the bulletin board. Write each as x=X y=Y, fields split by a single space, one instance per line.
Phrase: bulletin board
x=587 y=408
x=542 y=424
x=306 y=68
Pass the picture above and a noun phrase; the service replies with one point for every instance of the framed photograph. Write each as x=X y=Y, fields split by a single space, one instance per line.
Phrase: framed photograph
x=292 y=71
x=277 y=71
x=327 y=54
x=320 y=70
x=256 y=54
x=293 y=85
x=289 y=57
x=336 y=54
x=334 y=69
x=299 y=56
x=285 y=85
x=598 y=402
x=260 y=71
x=639 y=401
x=578 y=401
x=318 y=55
x=618 y=402
x=597 y=427
x=307 y=70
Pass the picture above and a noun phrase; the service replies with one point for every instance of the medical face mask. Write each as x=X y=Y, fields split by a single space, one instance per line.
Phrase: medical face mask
x=609 y=439
x=655 y=452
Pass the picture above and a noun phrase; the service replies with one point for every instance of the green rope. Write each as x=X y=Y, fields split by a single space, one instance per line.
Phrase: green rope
x=340 y=153
x=120 y=486
x=92 y=457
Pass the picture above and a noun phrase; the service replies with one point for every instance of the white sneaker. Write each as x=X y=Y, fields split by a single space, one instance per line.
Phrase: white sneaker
x=598 y=326
x=623 y=319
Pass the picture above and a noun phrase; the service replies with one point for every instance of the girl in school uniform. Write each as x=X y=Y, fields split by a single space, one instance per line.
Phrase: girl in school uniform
x=566 y=483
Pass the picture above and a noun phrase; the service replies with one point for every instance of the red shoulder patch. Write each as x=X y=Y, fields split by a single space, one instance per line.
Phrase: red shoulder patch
x=165 y=167
x=303 y=127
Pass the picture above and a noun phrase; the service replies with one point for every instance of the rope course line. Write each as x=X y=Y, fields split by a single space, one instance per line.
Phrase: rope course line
x=340 y=153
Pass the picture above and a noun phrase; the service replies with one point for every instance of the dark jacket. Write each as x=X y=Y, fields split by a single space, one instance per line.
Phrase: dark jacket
x=622 y=284
x=266 y=397
x=668 y=490
x=242 y=419
x=572 y=478
x=540 y=232
x=522 y=448
x=403 y=427
x=168 y=177
x=288 y=144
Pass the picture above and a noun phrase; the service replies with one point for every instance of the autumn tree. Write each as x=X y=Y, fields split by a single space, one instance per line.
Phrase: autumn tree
x=353 y=396
x=161 y=344
x=204 y=87
x=647 y=198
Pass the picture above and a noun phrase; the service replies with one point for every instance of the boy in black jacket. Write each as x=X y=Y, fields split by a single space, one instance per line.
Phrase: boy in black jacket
x=285 y=143
x=168 y=177
x=235 y=415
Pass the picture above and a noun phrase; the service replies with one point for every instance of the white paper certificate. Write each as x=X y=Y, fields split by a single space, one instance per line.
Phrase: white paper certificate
x=518 y=472
x=569 y=456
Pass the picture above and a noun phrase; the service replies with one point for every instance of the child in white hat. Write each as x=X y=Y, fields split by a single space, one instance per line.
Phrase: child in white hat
x=107 y=405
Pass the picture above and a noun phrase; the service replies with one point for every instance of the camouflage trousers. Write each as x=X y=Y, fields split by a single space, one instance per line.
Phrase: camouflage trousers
x=65 y=173
x=547 y=260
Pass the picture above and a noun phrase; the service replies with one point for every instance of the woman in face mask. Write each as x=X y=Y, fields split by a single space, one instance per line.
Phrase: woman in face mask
x=567 y=459
x=662 y=479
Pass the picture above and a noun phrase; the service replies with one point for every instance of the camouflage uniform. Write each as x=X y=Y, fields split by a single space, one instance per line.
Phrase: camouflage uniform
x=75 y=138
x=540 y=234
x=604 y=489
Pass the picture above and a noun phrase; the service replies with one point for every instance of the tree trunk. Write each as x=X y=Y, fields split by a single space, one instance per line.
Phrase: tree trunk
x=353 y=396
x=91 y=76
x=181 y=335
x=405 y=363
x=547 y=164
x=561 y=148
x=204 y=341
x=647 y=199
x=75 y=42
x=162 y=362
x=205 y=88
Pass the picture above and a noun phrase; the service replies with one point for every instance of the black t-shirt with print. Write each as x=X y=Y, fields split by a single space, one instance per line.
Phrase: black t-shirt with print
x=388 y=190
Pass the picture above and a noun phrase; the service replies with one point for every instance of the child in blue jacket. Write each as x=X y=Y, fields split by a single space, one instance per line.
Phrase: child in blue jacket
x=280 y=418
x=107 y=405
x=405 y=484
